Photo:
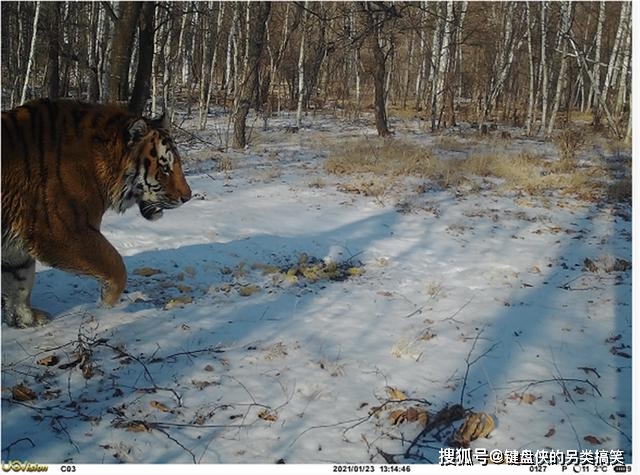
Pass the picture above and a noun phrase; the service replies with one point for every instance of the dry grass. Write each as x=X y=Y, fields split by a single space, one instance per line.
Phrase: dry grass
x=525 y=172
x=569 y=143
x=451 y=144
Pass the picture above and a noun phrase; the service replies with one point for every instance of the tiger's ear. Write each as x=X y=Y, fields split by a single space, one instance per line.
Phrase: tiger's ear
x=136 y=130
x=165 y=120
x=162 y=122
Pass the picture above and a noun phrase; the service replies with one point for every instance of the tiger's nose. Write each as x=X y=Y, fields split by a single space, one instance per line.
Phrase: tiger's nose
x=186 y=196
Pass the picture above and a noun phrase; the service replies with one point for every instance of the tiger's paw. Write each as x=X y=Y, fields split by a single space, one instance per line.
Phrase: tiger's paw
x=110 y=295
x=30 y=317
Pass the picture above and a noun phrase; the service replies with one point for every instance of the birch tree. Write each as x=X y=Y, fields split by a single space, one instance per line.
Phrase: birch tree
x=563 y=35
x=596 y=63
x=32 y=49
x=249 y=86
x=142 y=84
x=301 y=65
x=121 y=51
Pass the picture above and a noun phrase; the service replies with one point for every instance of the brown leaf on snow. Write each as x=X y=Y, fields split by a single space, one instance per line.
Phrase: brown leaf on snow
x=137 y=426
x=580 y=390
x=550 y=432
x=21 y=392
x=592 y=439
x=395 y=394
x=397 y=417
x=526 y=398
x=417 y=414
x=159 y=406
x=50 y=360
x=146 y=271
x=178 y=302
x=267 y=416
x=552 y=401
x=529 y=398
x=412 y=414
x=476 y=425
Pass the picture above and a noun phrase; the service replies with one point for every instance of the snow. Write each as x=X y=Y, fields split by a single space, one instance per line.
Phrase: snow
x=187 y=369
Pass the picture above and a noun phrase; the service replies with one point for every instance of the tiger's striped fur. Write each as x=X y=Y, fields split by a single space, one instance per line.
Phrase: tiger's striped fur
x=64 y=163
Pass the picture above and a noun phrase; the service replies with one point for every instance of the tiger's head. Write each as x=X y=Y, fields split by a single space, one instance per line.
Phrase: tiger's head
x=155 y=180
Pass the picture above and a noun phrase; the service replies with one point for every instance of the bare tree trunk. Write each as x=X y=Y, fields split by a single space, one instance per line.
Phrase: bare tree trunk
x=378 y=68
x=228 y=76
x=436 y=58
x=565 y=9
x=599 y=95
x=531 y=109
x=596 y=64
x=610 y=79
x=121 y=52
x=443 y=69
x=504 y=60
x=624 y=66
x=142 y=84
x=214 y=40
x=247 y=89
x=32 y=49
x=93 y=89
x=52 y=11
x=543 y=64
x=301 y=65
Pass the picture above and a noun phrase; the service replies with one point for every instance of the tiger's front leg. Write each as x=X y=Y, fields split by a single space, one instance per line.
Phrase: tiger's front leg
x=18 y=275
x=89 y=253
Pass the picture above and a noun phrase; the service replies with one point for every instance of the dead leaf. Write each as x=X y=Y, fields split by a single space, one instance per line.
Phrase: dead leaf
x=23 y=393
x=621 y=265
x=248 y=290
x=267 y=416
x=87 y=370
x=50 y=394
x=412 y=414
x=552 y=401
x=159 y=406
x=476 y=425
x=178 y=301
x=146 y=271
x=397 y=417
x=613 y=339
x=203 y=384
x=423 y=418
x=428 y=335
x=137 y=426
x=580 y=390
x=529 y=398
x=395 y=394
x=50 y=360
x=550 y=432
x=590 y=265
x=592 y=439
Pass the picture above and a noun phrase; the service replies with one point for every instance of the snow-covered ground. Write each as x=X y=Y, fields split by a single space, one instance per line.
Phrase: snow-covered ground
x=220 y=353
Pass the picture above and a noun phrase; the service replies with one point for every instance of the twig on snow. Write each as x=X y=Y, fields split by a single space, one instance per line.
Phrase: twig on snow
x=475 y=360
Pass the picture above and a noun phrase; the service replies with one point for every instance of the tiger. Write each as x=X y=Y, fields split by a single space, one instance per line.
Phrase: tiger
x=64 y=163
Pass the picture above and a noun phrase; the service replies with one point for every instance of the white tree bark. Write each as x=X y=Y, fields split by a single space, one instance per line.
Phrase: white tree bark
x=32 y=50
x=303 y=35
x=531 y=109
x=598 y=56
x=624 y=66
x=543 y=64
x=612 y=72
x=565 y=12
